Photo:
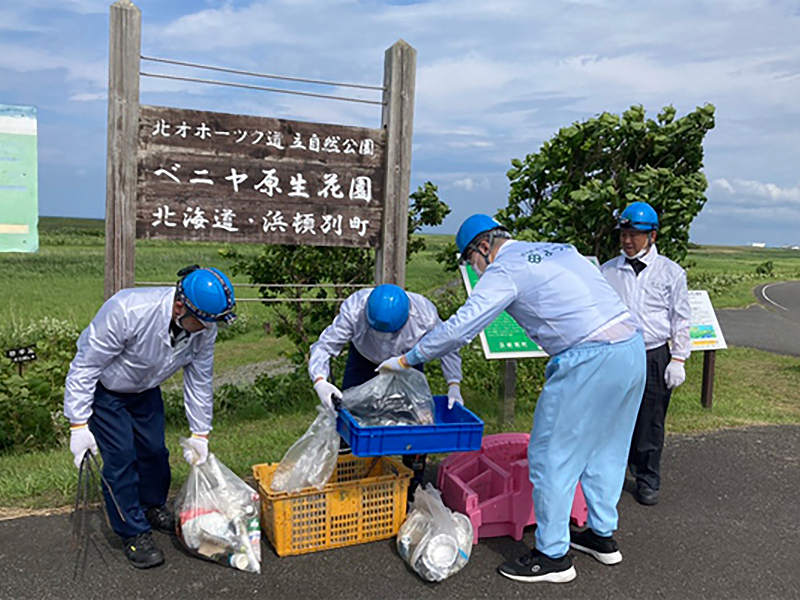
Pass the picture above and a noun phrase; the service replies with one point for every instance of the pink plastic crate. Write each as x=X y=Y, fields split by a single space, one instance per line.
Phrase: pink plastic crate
x=491 y=486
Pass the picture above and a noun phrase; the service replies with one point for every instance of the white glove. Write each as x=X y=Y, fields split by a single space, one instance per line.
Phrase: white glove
x=675 y=374
x=396 y=364
x=196 y=452
x=454 y=395
x=81 y=440
x=327 y=392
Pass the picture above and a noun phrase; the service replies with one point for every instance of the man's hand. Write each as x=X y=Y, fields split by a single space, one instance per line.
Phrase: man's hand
x=396 y=364
x=327 y=392
x=81 y=440
x=454 y=395
x=197 y=451
x=675 y=374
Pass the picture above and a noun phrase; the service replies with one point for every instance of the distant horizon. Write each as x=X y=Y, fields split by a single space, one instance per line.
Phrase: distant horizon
x=748 y=245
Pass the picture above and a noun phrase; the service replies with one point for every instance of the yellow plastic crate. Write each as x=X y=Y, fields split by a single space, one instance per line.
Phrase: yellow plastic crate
x=364 y=501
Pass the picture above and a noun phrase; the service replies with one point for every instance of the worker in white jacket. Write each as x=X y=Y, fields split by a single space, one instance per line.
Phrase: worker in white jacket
x=138 y=339
x=654 y=289
x=585 y=414
x=378 y=323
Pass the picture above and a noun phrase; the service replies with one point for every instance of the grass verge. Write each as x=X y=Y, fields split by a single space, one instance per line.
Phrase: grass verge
x=752 y=388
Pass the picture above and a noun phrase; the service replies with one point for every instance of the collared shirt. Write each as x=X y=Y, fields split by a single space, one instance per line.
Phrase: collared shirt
x=351 y=325
x=658 y=296
x=127 y=348
x=556 y=295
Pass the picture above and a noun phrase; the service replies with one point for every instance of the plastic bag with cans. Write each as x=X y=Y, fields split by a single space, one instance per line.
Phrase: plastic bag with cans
x=217 y=515
x=391 y=399
x=435 y=541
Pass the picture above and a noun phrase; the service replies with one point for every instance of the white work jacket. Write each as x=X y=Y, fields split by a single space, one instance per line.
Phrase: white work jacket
x=351 y=325
x=658 y=297
x=556 y=295
x=127 y=348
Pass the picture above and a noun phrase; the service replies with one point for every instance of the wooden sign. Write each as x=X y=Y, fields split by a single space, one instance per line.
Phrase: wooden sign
x=209 y=176
x=21 y=355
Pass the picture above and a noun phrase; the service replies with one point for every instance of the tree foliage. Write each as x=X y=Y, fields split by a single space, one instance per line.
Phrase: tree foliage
x=574 y=187
x=307 y=310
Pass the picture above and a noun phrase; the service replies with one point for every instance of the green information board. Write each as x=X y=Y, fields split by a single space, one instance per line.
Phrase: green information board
x=19 y=189
x=503 y=338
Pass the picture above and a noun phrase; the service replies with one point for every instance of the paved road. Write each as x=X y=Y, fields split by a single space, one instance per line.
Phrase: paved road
x=772 y=325
x=727 y=527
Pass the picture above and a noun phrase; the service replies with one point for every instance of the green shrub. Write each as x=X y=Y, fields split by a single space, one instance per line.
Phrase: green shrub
x=31 y=404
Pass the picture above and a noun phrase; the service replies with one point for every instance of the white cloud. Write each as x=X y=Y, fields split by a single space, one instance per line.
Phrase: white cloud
x=471 y=184
x=467 y=184
x=88 y=96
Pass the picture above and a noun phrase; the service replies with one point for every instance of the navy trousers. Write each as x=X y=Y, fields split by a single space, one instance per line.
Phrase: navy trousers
x=359 y=370
x=129 y=429
x=647 y=444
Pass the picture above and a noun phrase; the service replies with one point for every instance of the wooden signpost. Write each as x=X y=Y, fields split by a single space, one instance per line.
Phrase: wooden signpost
x=210 y=176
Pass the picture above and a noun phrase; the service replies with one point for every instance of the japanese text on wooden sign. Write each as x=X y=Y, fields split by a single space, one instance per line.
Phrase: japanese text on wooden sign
x=233 y=178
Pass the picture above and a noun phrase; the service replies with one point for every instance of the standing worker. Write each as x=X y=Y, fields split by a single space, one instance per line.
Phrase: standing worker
x=138 y=339
x=379 y=323
x=654 y=289
x=585 y=414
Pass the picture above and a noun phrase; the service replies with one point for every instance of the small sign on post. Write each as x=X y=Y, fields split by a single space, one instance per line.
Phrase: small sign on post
x=706 y=337
x=19 y=356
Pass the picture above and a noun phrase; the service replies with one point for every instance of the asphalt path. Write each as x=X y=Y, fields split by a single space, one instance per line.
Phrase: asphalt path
x=726 y=527
x=772 y=325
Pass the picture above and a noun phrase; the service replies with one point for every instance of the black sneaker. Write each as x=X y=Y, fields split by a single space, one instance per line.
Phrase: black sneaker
x=535 y=567
x=645 y=495
x=142 y=551
x=161 y=519
x=604 y=549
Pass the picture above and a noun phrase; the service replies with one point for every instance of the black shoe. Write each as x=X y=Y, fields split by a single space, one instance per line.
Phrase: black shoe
x=604 y=549
x=142 y=551
x=344 y=447
x=535 y=567
x=161 y=519
x=645 y=495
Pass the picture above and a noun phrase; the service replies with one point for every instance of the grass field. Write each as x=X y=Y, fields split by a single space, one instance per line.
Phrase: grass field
x=65 y=280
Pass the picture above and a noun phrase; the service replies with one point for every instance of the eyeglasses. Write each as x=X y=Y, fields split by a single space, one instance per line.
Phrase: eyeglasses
x=465 y=257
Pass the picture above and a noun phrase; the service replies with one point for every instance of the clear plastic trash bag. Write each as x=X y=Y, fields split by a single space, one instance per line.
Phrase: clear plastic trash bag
x=217 y=516
x=435 y=541
x=391 y=399
x=311 y=459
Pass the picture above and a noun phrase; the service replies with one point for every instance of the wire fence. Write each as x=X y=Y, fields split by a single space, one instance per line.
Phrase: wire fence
x=309 y=286
x=191 y=65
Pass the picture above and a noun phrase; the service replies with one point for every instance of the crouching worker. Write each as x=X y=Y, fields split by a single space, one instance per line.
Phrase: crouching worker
x=138 y=339
x=376 y=324
x=585 y=415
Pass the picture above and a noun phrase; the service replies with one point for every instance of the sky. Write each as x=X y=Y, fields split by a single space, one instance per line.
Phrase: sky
x=495 y=79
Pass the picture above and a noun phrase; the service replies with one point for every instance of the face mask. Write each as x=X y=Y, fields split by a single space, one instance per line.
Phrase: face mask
x=641 y=252
x=178 y=335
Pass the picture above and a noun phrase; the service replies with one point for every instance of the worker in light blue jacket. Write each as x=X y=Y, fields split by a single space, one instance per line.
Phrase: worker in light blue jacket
x=586 y=412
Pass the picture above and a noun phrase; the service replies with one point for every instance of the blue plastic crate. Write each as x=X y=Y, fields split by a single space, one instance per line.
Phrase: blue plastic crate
x=454 y=430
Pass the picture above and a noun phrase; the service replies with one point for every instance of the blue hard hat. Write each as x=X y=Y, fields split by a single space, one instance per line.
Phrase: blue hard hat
x=640 y=216
x=207 y=294
x=472 y=228
x=387 y=308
